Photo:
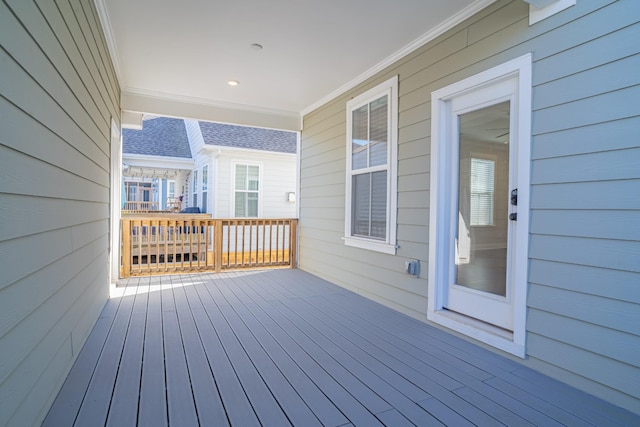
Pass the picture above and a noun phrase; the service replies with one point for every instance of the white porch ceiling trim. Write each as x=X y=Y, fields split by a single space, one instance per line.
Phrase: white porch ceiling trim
x=180 y=106
x=185 y=107
x=157 y=162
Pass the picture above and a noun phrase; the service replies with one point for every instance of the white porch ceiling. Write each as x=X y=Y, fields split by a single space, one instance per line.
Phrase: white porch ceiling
x=176 y=57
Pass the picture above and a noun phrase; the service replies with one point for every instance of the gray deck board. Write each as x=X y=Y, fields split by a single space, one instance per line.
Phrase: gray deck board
x=206 y=395
x=292 y=404
x=97 y=400
x=67 y=404
x=124 y=411
x=180 y=401
x=336 y=389
x=152 y=403
x=283 y=347
x=317 y=401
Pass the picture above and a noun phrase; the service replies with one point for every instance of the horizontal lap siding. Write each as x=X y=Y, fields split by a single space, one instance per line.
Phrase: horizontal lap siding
x=584 y=296
x=322 y=251
x=58 y=93
x=584 y=251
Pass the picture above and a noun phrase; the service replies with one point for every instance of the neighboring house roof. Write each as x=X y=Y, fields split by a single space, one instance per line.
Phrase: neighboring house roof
x=160 y=136
x=248 y=137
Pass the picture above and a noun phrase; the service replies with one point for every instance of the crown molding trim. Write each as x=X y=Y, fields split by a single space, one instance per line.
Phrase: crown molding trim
x=443 y=27
x=105 y=21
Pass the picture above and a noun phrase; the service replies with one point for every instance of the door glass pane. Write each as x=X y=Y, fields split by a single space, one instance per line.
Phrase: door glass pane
x=483 y=199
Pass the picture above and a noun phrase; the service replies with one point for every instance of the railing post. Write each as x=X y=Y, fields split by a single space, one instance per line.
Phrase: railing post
x=293 y=243
x=217 y=245
x=126 y=247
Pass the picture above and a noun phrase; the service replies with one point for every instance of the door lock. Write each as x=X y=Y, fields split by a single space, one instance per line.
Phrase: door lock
x=513 y=216
x=514 y=197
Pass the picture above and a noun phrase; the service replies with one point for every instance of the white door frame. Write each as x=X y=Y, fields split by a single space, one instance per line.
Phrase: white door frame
x=440 y=219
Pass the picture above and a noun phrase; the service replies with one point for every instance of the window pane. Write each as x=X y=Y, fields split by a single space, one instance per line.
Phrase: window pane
x=378 y=132
x=205 y=174
x=253 y=177
x=360 y=197
x=241 y=177
x=240 y=204
x=369 y=210
x=359 y=137
x=379 y=205
x=252 y=204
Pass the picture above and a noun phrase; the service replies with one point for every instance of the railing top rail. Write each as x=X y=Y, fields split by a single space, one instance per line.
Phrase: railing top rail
x=163 y=215
x=168 y=215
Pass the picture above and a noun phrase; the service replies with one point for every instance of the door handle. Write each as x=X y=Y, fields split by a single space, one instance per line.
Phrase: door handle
x=513 y=216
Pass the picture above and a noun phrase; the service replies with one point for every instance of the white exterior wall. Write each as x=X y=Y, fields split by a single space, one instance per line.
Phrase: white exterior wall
x=278 y=177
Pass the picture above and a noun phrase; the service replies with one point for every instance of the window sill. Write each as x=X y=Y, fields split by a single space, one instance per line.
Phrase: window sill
x=371 y=245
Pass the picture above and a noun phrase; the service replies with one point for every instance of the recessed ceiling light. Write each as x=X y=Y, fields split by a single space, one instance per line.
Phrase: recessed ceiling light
x=233 y=83
x=256 y=46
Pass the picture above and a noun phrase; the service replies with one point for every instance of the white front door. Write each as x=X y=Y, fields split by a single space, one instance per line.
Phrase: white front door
x=479 y=205
x=482 y=235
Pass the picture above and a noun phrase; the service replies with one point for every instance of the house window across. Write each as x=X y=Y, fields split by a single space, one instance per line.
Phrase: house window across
x=195 y=188
x=482 y=188
x=205 y=187
x=370 y=220
x=246 y=190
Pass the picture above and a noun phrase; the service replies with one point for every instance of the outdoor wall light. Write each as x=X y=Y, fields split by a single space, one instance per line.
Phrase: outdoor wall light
x=291 y=197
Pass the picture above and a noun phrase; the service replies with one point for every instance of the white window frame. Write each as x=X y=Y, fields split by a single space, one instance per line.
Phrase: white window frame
x=232 y=199
x=388 y=245
x=440 y=200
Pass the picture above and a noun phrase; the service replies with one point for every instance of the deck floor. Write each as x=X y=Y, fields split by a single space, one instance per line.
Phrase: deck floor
x=282 y=347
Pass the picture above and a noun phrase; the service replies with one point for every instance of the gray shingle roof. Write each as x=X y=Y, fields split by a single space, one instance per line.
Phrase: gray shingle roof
x=248 y=137
x=160 y=136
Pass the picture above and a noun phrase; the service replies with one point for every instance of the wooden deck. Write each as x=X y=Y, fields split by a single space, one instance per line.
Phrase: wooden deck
x=282 y=347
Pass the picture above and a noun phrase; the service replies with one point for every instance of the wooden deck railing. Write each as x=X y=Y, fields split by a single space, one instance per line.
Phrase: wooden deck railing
x=191 y=243
x=141 y=207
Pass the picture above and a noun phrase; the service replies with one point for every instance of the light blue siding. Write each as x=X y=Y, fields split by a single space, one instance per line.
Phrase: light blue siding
x=584 y=267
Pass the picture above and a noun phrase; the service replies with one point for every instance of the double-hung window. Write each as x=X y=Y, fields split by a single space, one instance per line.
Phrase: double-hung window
x=246 y=190
x=371 y=182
